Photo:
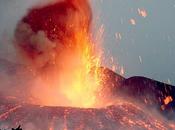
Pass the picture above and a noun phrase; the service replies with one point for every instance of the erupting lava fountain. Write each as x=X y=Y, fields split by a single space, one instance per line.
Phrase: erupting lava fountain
x=55 y=42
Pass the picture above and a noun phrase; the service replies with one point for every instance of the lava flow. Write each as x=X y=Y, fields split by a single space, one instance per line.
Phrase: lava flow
x=56 y=45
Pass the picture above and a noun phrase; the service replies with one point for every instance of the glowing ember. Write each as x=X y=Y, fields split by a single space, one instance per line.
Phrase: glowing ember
x=118 y=36
x=132 y=21
x=167 y=100
x=55 y=41
x=142 y=12
x=140 y=59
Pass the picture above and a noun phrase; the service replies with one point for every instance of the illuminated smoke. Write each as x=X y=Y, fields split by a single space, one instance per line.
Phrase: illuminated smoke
x=48 y=29
x=54 y=42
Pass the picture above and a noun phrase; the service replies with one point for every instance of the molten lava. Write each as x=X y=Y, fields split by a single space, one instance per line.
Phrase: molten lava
x=55 y=42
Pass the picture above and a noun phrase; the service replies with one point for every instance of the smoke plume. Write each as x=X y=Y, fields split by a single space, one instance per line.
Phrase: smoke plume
x=54 y=43
x=45 y=31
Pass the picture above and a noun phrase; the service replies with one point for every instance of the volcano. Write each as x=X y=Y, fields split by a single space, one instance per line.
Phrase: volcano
x=121 y=115
x=56 y=50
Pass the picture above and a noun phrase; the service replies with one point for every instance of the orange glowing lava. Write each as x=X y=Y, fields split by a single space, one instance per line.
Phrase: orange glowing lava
x=55 y=41
x=80 y=86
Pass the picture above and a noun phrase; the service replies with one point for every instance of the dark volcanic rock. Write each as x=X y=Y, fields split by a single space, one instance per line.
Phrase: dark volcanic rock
x=121 y=116
x=141 y=86
x=152 y=93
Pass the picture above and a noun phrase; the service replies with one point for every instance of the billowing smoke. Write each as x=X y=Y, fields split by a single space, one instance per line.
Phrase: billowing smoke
x=45 y=31
x=51 y=41
x=54 y=43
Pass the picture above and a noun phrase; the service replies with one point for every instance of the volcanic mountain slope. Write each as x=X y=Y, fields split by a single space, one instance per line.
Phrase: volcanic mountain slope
x=125 y=115
x=122 y=116
x=151 y=93
x=142 y=89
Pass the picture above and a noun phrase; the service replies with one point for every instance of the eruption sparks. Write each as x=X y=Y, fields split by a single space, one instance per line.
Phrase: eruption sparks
x=55 y=42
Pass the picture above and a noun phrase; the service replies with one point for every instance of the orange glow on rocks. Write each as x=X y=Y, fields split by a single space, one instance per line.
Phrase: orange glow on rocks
x=167 y=100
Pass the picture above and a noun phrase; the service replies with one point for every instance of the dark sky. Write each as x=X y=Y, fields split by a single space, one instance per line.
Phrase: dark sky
x=146 y=48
